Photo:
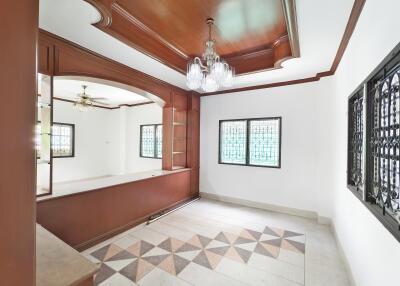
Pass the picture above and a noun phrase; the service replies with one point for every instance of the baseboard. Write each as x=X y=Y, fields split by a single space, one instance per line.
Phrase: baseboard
x=324 y=220
x=343 y=256
x=266 y=206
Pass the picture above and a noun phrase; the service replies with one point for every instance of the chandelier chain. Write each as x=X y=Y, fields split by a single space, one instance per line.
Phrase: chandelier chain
x=214 y=72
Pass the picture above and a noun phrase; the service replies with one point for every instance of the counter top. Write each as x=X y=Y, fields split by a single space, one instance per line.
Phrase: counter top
x=58 y=264
x=90 y=184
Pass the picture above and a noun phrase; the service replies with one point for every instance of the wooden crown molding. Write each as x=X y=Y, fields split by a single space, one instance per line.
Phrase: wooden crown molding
x=118 y=22
x=351 y=24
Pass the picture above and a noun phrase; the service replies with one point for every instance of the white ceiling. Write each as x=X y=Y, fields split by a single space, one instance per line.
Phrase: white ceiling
x=321 y=26
x=69 y=89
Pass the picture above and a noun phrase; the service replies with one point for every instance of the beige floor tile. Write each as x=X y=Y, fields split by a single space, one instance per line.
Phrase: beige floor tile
x=250 y=275
x=171 y=230
x=100 y=245
x=320 y=266
x=117 y=265
x=291 y=257
x=158 y=277
x=188 y=224
x=277 y=267
x=126 y=241
x=201 y=276
x=117 y=280
x=147 y=234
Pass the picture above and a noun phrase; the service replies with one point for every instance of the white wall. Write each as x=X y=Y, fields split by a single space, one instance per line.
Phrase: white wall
x=297 y=183
x=93 y=143
x=136 y=116
x=104 y=141
x=314 y=148
x=373 y=253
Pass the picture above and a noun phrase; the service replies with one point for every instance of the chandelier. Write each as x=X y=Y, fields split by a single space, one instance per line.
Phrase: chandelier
x=213 y=73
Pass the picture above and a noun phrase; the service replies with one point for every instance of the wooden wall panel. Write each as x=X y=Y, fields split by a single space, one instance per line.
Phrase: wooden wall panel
x=193 y=140
x=86 y=218
x=18 y=30
x=71 y=59
x=45 y=55
x=168 y=132
x=58 y=56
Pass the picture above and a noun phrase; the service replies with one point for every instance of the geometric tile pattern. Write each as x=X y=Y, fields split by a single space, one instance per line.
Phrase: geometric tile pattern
x=173 y=255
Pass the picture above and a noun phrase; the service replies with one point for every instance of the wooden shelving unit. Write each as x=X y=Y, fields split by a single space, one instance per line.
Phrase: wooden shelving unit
x=174 y=140
x=179 y=139
x=44 y=117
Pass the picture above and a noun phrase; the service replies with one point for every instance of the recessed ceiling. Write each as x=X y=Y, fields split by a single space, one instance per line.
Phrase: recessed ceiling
x=321 y=25
x=251 y=35
x=113 y=96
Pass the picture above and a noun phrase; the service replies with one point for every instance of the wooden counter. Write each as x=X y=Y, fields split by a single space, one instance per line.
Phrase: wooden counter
x=80 y=186
x=58 y=264
x=87 y=217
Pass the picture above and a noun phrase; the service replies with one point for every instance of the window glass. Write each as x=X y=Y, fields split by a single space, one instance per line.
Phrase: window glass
x=264 y=142
x=147 y=140
x=233 y=142
x=62 y=141
x=159 y=140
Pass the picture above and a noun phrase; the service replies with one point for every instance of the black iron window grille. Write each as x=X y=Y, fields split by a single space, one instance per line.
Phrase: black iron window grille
x=384 y=143
x=355 y=176
x=250 y=142
x=374 y=143
x=151 y=141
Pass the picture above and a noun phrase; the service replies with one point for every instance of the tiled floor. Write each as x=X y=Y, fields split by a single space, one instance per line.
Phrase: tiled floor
x=213 y=243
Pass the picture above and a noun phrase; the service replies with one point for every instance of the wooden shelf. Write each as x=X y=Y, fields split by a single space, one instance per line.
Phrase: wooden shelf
x=43 y=105
x=179 y=123
x=178 y=167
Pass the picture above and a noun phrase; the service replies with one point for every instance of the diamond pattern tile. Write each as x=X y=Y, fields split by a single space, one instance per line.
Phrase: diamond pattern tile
x=173 y=255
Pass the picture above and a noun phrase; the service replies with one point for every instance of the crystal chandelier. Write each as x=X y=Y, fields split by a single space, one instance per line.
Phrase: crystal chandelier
x=213 y=73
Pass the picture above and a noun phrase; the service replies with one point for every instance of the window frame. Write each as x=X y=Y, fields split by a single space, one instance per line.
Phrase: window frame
x=358 y=93
x=72 y=140
x=364 y=196
x=155 y=141
x=248 y=120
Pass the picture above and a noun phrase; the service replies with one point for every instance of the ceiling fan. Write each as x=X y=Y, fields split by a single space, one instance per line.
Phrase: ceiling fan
x=84 y=101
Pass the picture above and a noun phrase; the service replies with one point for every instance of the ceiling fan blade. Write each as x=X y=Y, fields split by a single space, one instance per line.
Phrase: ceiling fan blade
x=99 y=102
x=97 y=98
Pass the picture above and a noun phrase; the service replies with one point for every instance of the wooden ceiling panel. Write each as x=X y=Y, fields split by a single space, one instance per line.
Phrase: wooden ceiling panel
x=252 y=35
x=239 y=25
